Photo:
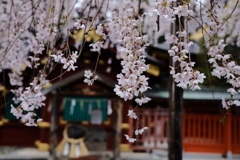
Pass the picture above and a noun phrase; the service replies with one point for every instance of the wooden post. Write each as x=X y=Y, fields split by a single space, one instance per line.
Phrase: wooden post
x=117 y=121
x=44 y=127
x=53 y=129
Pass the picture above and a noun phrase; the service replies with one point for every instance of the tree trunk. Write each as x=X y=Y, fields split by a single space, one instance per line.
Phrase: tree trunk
x=175 y=122
x=175 y=109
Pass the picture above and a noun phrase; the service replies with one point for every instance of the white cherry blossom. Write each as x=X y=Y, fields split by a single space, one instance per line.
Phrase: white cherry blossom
x=132 y=114
x=140 y=131
x=131 y=140
x=142 y=100
x=88 y=74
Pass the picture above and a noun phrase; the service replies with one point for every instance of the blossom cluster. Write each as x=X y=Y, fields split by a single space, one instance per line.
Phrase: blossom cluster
x=89 y=77
x=90 y=13
x=131 y=48
x=160 y=12
x=212 y=14
x=95 y=11
x=29 y=32
x=137 y=132
x=68 y=63
x=224 y=66
x=30 y=99
x=230 y=30
x=133 y=115
x=180 y=53
x=187 y=76
x=219 y=17
x=123 y=30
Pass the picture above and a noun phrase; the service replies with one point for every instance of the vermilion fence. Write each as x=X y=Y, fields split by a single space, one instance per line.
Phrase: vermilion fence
x=235 y=139
x=201 y=132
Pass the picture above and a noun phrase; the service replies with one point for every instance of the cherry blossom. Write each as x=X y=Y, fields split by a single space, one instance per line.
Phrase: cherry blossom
x=131 y=140
x=89 y=77
x=171 y=39
x=182 y=10
x=226 y=68
x=79 y=24
x=132 y=114
x=96 y=47
x=224 y=103
x=131 y=47
x=140 y=131
x=30 y=99
x=68 y=63
x=88 y=74
x=142 y=100
x=188 y=76
x=232 y=91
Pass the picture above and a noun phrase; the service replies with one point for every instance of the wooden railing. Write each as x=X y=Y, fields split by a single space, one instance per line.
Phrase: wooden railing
x=201 y=132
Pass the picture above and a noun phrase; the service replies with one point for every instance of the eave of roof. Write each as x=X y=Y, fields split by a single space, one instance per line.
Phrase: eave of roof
x=203 y=94
x=78 y=75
